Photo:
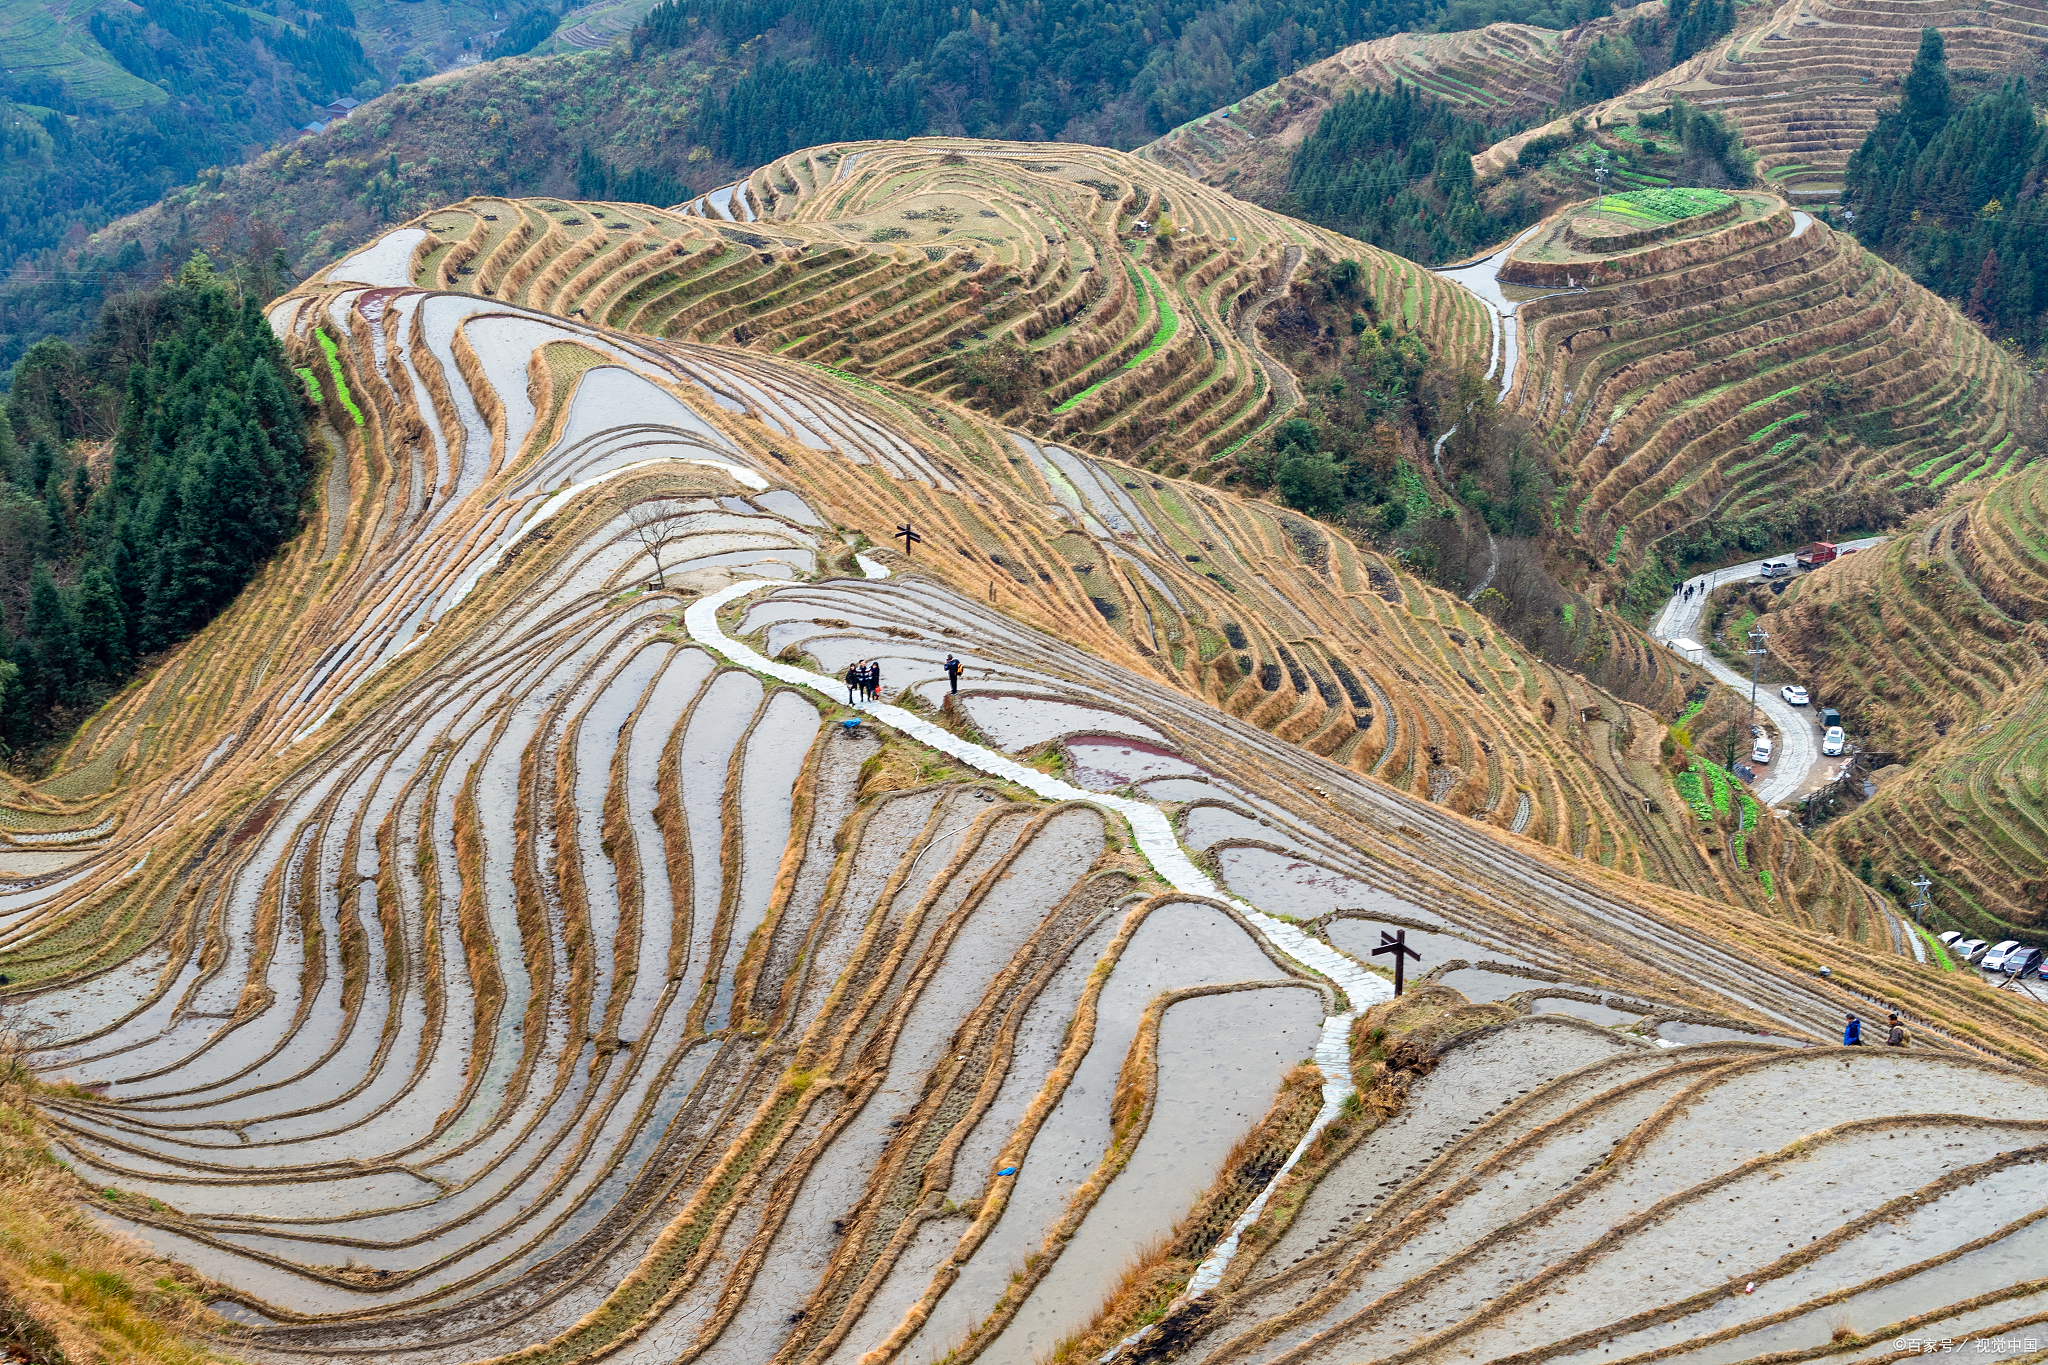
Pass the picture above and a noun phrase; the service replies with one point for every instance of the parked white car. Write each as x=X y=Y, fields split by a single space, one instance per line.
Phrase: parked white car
x=1794 y=693
x=1995 y=959
x=1947 y=938
x=1831 y=743
x=1761 y=751
x=1969 y=950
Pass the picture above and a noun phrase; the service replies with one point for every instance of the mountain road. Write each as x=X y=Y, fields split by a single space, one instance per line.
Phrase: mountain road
x=1798 y=731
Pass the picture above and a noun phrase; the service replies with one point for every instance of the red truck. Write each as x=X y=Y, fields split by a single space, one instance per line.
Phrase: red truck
x=1814 y=555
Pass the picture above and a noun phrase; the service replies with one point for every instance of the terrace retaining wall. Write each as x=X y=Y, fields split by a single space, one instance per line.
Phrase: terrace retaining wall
x=1643 y=236
x=1655 y=260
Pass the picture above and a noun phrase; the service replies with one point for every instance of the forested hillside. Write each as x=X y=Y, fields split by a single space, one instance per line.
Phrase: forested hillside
x=705 y=89
x=144 y=477
x=1951 y=191
x=106 y=109
x=150 y=97
x=1071 y=70
x=1395 y=169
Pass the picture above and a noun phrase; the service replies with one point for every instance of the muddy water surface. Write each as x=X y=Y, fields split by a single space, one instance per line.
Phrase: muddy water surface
x=1221 y=1058
x=1013 y=723
x=1177 y=945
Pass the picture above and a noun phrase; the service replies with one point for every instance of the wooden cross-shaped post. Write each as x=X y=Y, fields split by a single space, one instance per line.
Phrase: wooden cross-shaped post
x=907 y=536
x=1397 y=944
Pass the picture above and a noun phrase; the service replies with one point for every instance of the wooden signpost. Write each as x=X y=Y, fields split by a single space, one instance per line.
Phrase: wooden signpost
x=1397 y=944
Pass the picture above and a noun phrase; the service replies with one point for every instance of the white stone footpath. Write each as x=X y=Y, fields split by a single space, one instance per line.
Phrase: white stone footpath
x=1155 y=839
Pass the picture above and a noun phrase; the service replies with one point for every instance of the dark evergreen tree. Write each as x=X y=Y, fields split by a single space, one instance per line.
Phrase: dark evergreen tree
x=1612 y=64
x=1953 y=195
x=596 y=178
x=209 y=464
x=1695 y=24
x=1394 y=168
x=1924 y=107
x=56 y=679
x=525 y=33
x=103 y=627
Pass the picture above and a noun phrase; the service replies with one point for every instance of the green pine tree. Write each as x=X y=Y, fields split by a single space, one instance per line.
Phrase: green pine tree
x=103 y=626
x=53 y=634
x=1925 y=103
x=58 y=542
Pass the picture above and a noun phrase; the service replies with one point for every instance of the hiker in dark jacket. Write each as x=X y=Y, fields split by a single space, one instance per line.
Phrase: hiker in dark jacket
x=874 y=680
x=853 y=682
x=1852 y=1032
x=1896 y=1037
x=953 y=672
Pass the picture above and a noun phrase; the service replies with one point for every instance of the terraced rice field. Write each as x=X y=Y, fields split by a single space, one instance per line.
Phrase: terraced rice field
x=1493 y=74
x=490 y=939
x=1804 y=85
x=1663 y=206
x=1936 y=649
x=1680 y=382
x=914 y=264
x=1557 y=1195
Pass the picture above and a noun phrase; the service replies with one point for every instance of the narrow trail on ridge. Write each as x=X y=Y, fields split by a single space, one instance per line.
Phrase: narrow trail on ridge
x=1436 y=455
x=1286 y=393
x=1492 y=567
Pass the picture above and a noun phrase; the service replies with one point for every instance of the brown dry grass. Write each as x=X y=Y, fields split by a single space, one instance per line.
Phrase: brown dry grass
x=69 y=1291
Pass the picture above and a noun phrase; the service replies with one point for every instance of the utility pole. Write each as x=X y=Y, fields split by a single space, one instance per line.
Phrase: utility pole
x=1757 y=638
x=1919 y=907
x=1600 y=179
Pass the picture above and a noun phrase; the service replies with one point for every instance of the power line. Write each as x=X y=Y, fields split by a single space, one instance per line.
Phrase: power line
x=59 y=276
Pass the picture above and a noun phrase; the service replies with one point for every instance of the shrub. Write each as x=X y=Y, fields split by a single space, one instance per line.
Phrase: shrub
x=1001 y=372
x=1312 y=482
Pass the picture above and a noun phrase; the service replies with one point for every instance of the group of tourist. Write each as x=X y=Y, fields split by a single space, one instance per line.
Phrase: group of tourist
x=864 y=681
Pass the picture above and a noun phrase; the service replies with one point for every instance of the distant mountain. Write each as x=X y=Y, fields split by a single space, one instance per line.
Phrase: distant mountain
x=686 y=93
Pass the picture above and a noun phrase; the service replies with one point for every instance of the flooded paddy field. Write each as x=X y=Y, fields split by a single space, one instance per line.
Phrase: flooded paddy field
x=506 y=937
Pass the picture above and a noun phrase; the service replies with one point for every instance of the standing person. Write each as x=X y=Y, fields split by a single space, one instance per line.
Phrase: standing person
x=853 y=681
x=1896 y=1037
x=1852 y=1032
x=874 y=679
x=953 y=672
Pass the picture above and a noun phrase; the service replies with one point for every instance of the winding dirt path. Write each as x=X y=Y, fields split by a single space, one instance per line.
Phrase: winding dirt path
x=1286 y=393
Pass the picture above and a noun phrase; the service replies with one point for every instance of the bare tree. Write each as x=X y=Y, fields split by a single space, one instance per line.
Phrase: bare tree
x=653 y=525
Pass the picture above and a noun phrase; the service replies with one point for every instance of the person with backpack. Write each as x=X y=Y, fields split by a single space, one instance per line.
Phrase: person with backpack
x=1852 y=1032
x=953 y=672
x=1897 y=1035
